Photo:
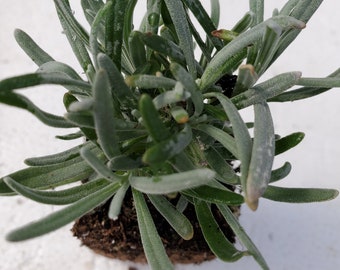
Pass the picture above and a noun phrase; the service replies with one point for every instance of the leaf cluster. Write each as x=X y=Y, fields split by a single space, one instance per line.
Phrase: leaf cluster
x=162 y=123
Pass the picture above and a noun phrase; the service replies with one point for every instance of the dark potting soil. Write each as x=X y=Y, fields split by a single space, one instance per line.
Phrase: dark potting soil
x=120 y=239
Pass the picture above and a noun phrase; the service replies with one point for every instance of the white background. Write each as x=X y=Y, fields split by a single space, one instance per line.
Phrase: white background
x=289 y=236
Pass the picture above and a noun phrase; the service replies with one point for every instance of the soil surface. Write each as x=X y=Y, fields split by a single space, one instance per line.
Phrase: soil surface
x=120 y=239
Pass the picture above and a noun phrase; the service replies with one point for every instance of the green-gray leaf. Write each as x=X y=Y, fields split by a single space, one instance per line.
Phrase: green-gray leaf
x=34 y=79
x=190 y=85
x=104 y=115
x=62 y=217
x=220 y=166
x=167 y=149
x=57 y=158
x=50 y=176
x=266 y=90
x=20 y=101
x=61 y=197
x=152 y=244
x=299 y=195
x=221 y=63
x=176 y=219
x=223 y=137
x=213 y=235
x=242 y=236
x=178 y=16
x=164 y=184
x=241 y=133
x=262 y=155
x=98 y=165
x=38 y=55
x=284 y=144
x=215 y=195
x=152 y=120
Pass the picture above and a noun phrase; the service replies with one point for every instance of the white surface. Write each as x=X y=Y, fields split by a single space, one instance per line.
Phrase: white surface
x=289 y=236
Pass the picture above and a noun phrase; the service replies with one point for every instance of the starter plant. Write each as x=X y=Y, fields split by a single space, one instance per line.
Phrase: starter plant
x=161 y=127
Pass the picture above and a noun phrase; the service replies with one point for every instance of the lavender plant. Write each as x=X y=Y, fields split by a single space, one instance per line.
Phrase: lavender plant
x=158 y=121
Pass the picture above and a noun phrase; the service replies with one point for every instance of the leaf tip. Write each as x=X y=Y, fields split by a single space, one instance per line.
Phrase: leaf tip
x=17 y=32
x=13 y=236
x=252 y=196
x=188 y=236
x=335 y=194
x=252 y=204
x=9 y=237
x=129 y=81
x=8 y=181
